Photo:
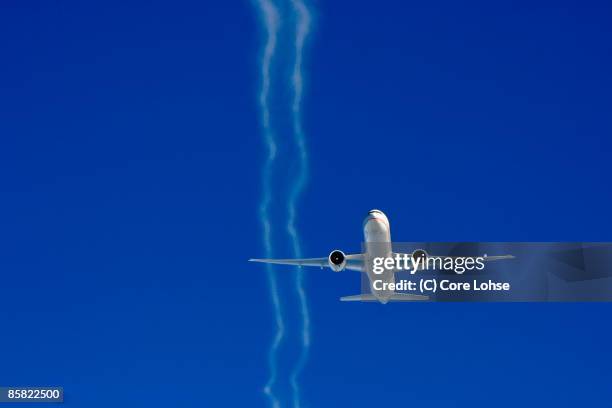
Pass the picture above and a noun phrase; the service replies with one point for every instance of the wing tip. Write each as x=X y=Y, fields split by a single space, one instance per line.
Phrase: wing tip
x=496 y=257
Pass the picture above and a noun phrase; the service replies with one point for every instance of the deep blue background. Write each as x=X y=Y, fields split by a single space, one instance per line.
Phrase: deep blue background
x=130 y=177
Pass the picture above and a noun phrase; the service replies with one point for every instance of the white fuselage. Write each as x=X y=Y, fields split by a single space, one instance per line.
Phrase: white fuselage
x=377 y=238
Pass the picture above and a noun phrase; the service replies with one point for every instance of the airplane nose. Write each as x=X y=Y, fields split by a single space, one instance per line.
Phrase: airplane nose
x=376 y=214
x=369 y=218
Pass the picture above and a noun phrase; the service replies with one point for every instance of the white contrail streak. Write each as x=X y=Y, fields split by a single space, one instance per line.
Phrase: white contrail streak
x=302 y=29
x=270 y=17
x=271 y=21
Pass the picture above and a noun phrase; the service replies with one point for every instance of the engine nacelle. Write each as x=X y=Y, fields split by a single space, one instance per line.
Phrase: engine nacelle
x=420 y=253
x=336 y=260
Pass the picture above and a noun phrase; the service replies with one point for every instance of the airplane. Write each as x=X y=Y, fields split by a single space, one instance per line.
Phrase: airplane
x=377 y=239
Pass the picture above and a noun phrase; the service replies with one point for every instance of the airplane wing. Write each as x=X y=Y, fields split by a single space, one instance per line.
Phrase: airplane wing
x=354 y=262
x=486 y=258
x=497 y=257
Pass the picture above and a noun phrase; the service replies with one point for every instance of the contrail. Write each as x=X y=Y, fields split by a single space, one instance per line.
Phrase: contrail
x=270 y=17
x=302 y=29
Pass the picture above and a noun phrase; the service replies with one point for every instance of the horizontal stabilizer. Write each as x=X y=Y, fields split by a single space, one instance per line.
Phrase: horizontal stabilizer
x=396 y=297
x=359 y=298
x=407 y=297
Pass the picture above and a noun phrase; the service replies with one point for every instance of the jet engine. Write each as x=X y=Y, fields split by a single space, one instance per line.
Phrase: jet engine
x=419 y=253
x=337 y=260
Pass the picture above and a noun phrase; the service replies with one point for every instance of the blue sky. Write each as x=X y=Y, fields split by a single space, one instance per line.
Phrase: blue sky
x=130 y=162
